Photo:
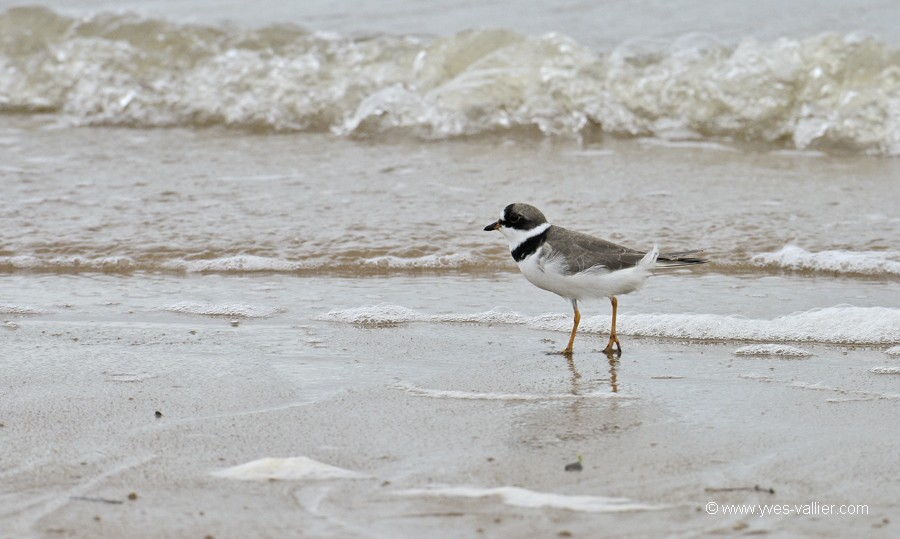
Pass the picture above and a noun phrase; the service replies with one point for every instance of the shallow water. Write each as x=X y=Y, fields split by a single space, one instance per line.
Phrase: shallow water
x=120 y=200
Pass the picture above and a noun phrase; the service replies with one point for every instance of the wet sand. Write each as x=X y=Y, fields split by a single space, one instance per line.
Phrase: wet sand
x=454 y=429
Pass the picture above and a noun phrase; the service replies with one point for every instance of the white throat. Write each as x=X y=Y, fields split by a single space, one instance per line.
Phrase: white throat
x=515 y=237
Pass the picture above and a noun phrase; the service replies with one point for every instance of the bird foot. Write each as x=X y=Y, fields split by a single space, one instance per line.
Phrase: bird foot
x=611 y=349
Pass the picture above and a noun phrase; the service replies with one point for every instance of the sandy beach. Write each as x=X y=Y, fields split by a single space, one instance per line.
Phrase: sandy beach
x=445 y=429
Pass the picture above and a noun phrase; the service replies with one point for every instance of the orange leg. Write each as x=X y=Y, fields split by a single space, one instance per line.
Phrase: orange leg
x=613 y=339
x=568 y=349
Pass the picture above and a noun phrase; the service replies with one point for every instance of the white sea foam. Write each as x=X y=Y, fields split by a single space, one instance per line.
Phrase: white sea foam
x=241 y=310
x=388 y=313
x=839 y=324
x=113 y=264
x=237 y=264
x=433 y=261
x=848 y=394
x=376 y=315
x=9 y=308
x=757 y=377
x=231 y=264
x=885 y=370
x=286 y=469
x=521 y=497
x=893 y=351
x=814 y=386
x=779 y=350
x=19 y=262
x=126 y=377
x=861 y=262
x=513 y=397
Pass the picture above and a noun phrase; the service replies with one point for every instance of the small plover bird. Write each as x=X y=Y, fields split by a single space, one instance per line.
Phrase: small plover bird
x=577 y=266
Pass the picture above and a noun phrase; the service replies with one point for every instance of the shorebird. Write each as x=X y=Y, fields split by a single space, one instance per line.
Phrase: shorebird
x=578 y=266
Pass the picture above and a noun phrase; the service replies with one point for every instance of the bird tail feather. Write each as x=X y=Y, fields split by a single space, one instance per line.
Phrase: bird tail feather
x=681 y=258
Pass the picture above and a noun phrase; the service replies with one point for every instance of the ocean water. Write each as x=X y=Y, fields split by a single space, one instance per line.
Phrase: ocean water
x=181 y=140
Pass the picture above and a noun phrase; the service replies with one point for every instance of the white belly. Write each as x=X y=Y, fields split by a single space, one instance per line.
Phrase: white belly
x=595 y=283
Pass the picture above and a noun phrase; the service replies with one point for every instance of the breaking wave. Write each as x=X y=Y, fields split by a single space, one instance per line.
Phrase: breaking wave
x=843 y=324
x=827 y=92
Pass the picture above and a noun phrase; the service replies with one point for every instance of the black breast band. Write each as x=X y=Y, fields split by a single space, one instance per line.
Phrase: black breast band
x=529 y=246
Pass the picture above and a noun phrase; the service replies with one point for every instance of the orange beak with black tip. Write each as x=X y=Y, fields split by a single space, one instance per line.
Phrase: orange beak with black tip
x=493 y=226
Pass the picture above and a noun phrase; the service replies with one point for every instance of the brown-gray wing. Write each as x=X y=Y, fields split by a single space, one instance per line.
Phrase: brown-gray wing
x=583 y=252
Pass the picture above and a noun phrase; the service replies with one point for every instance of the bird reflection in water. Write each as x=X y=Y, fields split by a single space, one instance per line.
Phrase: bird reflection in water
x=613 y=359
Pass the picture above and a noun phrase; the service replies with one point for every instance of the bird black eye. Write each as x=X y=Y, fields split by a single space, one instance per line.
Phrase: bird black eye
x=515 y=218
